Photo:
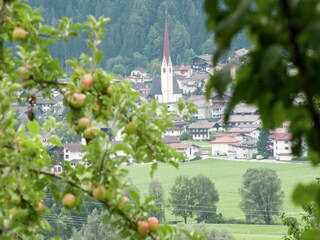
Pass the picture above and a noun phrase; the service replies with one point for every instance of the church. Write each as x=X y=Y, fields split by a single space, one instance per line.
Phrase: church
x=166 y=89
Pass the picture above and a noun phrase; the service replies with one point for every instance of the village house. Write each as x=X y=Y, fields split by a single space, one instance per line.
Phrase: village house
x=185 y=71
x=218 y=104
x=45 y=104
x=201 y=130
x=241 y=53
x=245 y=109
x=178 y=128
x=202 y=63
x=141 y=87
x=170 y=139
x=58 y=168
x=187 y=149
x=281 y=146
x=249 y=130
x=139 y=72
x=222 y=145
x=72 y=152
x=236 y=120
x=242 y=150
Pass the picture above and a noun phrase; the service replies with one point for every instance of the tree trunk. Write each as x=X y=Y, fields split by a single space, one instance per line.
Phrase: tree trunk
x=185 y=216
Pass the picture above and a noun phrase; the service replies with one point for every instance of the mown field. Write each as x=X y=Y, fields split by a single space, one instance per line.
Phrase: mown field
x=227 y=177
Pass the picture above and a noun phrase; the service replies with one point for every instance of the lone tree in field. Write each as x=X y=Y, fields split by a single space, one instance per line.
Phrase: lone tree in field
x=195 y=196
x=157 y=192
x=261 y=194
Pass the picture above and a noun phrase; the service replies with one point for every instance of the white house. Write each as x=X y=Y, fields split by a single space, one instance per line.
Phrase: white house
x=139 y=72
x=201 y=130
x=282 y=146
x=178 y=128
x=58 y=168
x=185 y=71
x=252 y=131
x=187 y=149
x=221 y=146
x=243 y=150
x=235 y=120
x=72 y=151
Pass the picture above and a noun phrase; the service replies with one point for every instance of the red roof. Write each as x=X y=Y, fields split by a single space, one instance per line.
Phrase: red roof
x=182 y=145
x=166 y=47
x=181 y=68
x=224 y=140
x=281 y=136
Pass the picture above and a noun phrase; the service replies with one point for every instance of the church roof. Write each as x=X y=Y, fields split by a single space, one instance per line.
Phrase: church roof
x=156 y=87
x=166 y=47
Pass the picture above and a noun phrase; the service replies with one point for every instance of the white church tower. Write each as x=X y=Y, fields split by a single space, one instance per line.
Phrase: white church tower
x=166 y=69
x=166 y=89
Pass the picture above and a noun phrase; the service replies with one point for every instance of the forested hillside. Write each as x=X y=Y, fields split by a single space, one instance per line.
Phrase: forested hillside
x=135 y=32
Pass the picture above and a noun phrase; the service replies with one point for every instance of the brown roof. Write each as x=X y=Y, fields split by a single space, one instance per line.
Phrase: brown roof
x=242 y=129
x=244 y=118
x=170 y=139
x=73 y=147
x=281 y=136
x=225 y=140
x=202 y=125
x=181 y=68
x=223 y=134
x=182 y=145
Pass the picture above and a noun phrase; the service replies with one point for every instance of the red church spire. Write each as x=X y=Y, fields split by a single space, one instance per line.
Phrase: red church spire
x=166 y=47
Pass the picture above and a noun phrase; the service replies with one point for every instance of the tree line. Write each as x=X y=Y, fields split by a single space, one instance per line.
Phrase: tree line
x=135 y=33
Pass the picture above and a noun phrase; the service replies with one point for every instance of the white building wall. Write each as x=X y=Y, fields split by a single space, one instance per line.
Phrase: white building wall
x=220 y=149
x=68 y=155
x=282 y=147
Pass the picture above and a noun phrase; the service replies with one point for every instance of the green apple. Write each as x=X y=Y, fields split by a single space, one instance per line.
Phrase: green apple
x=77 y=100
x=19 y=33
x=131 y=128
x=68 y=200
x=90 y=133
x=99 y=193
x=83 y=123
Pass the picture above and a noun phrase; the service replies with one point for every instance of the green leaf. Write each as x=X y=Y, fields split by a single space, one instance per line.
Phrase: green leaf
x=134 y=195
x=313 y=234
x=304 y=194
x=98 y=57
x=33 y=127
x=55 y=140
x=270 y=58
x=154 y=167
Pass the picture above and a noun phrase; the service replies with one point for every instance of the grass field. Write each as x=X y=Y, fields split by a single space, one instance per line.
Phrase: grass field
x=227 y=177
x=254 y=232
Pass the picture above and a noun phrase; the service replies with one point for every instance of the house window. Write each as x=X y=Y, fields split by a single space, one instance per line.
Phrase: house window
x=67 y=156
x=286 y=148
x=170 y=70
x=164 y=70
x=67 y=150
x=59 y=169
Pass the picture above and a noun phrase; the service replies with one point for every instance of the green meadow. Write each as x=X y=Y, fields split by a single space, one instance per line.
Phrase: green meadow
x=227 y=177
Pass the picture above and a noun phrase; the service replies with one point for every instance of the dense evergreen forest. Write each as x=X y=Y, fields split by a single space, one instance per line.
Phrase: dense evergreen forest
x=135 y=32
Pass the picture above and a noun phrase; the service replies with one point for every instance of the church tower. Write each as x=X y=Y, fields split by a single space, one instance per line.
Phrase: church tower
x=165 y=88
x=166 y=69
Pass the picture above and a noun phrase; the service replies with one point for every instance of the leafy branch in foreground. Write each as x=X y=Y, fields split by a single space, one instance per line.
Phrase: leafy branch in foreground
x=93 y=99
x=280 y=74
